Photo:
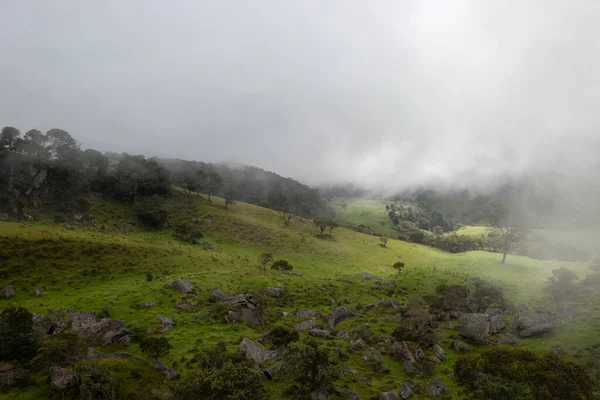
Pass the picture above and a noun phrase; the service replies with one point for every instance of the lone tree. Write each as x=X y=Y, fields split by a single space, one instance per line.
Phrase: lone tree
x=264 y=259
x=561 y=284
x=510 y=226
x=214 y=181
x=155 y=347
x=324 y=223
x=383 y=241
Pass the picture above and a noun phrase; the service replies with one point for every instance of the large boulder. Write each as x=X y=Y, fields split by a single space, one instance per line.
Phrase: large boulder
x=304 y=313
x=183 y=285
x=405 y=391
x=9 y=292
x=460 y=347
x=255 y=351
x=437 y=388
x=168 y=372
x=275 y=291
x=474 y=326
x=217 y=295
x=63 y=379
x=13 y=377
x=508 y=339
x=166 y=323
x=322 y=333
x=306 y=325
x=497 y=323
x=111 y=331
x=401 y=351
x=438 y=351
x=338 y=315
x=533 y=323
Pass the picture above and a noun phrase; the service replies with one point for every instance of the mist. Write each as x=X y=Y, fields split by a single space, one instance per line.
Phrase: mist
x=383 y=94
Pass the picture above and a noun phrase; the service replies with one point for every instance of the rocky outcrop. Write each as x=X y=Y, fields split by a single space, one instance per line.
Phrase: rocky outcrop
x=508 y=339
x=304 y=313
x=533 y=323
x=439 y=352
x=63 y=379
x=401 y=351
x=497 y=323
x=437 y=388
x=405 y=391
x=338 y=315
x=168 y=372
x=474 y=326
x=256 y=352
x=111 y=331
x=9 y=292
x=356 y=345
x=40 y=292
x=146 y=305
x=182 y=285
x=217 y=295
x=391 y=395
x=379 y=280
x=343 y=335
x=166 y=324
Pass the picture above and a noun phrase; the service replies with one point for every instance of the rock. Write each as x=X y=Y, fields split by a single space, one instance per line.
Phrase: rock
x=474 y=326
x=276 y=291
x=187 y=305
x=437 y=388
x=455 y=314
x=384 y=304
x=217 y=296
x=232 y=316
x=13 y=377
x=39 y=292
x=168 y=372
x=9 y=292
x=146 y=305
x=460 y=347
x=419 y=353
x=77 y=217
x=249 y=317
x=183 y=285
x=528 y=324
x=304 y=313
x=379 y=280
x=405 y=391
x=439 y=351
x=241 y=300
x=497 y=323
x=401 y=351
x=356 y=345
x=508 y=339
x=338 y=315
x=322 y=333
x=409 y=366
x=63 y=379
x=558 y=351
x=319 y=394
x=306 y=325
x=166 y=323
x=296 y=274
x=343 y=335
x=255 y=351
x=391 y=395
x=493 y=311
x=88 y=323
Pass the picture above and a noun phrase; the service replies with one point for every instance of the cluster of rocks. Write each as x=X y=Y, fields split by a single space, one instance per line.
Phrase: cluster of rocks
x=478 y=326
x=529 y=323
x=244 y=306
x=436 y=388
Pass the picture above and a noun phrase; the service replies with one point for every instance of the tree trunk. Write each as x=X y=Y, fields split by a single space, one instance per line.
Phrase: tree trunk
x=504 y=257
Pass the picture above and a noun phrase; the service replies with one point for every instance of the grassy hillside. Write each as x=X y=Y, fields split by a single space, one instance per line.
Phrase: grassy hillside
x=103 y=267
x=370 y=213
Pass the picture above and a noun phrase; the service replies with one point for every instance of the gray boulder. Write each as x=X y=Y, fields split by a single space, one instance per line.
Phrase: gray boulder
x=529 y=324
x=306 y=325
x=256 y=352
x=111 y=331
x=405 y=391
x=232 y=316
x=401 y=351
x=508 y=339
x=474 y=326
x=40 y=292
x=13 y=378
x=166 y=323
x=275 y=291
x=319 y=394
x=460 y=347
x=304 y=313
x=343 y=335
x=437 y=388
x=338 y=315
x=391 y=395
x=322 y=333
x=182 y=285
x=9 y=292
x=349 y=394
x=356 y=345
x=63 y=379
x=249 y=317
x=168 y=372
x=146 y=305
x=217 y=296
x=497 y=323
x=439 y=352
x=493 y=312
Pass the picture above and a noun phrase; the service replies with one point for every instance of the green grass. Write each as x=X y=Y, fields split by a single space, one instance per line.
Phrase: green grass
x=89 y=269
x=471 y=230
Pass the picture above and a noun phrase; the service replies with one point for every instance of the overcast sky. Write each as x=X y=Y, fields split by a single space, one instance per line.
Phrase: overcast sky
x=363 y=91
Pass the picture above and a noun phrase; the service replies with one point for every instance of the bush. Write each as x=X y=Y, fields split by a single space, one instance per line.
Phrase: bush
x=281 y=335
x=383 y=241
x=152 y=212
x=59 y=350
x=510 y=373
x=398 y=266
x=417 y=237
x=417 y=326
x=155 y=347
x=97 y=382
x=17 y=342
x=149 y=276
x=281 y=265
x=189 y=233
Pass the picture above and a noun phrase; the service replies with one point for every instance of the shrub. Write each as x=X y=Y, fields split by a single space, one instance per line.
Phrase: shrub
x=511 y=373
x=281 y=335
x=417 y=326
x=152 y=212
x=383 y=241
x=155 y=347
x=264 y=259
x=59 y=350
x=97 y=382
x=189 y=233
x=17 y=342
x=398 y=266
x=417 y=237
x=281 y=265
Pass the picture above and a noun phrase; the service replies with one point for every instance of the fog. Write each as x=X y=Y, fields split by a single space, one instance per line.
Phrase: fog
x=380 y=93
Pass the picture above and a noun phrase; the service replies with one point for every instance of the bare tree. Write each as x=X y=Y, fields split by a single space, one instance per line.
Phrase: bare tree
x=510 y=225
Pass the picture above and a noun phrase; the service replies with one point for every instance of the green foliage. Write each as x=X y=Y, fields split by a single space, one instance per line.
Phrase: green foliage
x=282 y=335
x=231 y=382
x=398 y=266
x=512 y=373
x=155 y=347
x=417 y=325
x=264 y=259
x=213 y=358
x=383 y=241
x=308 y=365
x=17 y=341
x=417 y=237
x=97 y=382
x=149 y=276
x=188 y=232
x=152 y=211
x=281 y=265
x=62 y=350
x=324 y=223
x=561 y=284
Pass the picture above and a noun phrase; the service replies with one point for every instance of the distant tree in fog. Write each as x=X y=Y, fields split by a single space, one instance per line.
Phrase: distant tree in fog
x=510 y=225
